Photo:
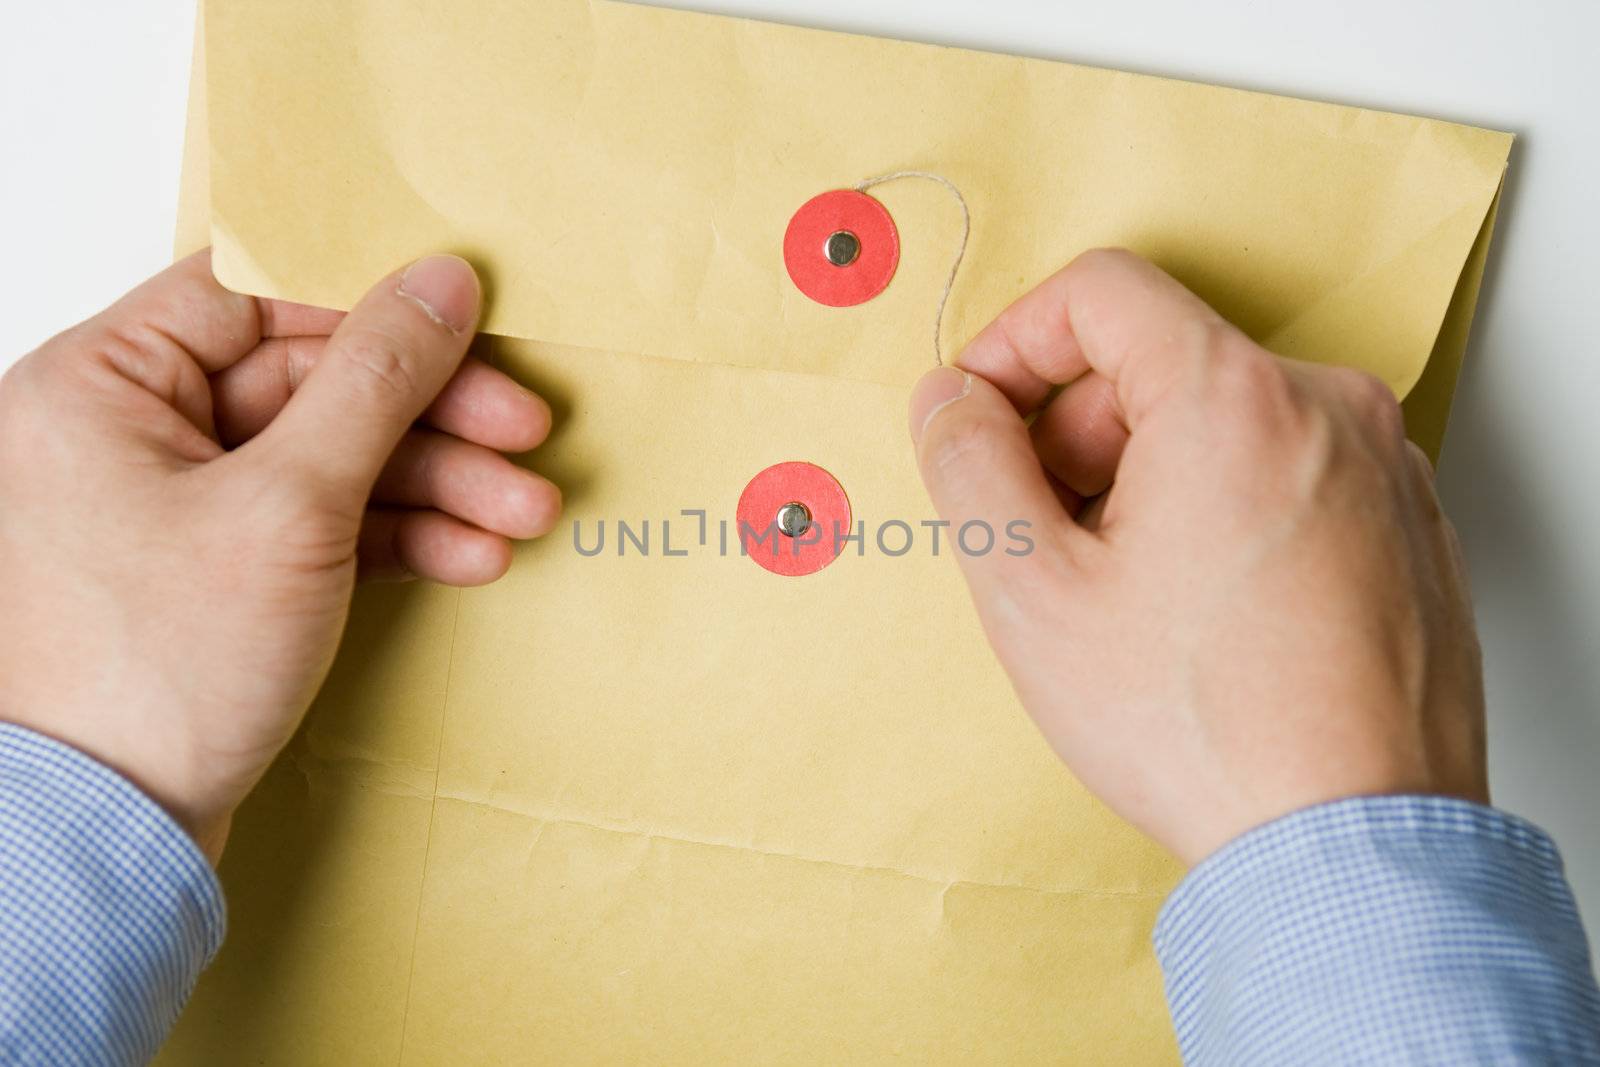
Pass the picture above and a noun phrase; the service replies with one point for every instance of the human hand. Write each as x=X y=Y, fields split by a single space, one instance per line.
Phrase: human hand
x=189 y=484
x=1244 y=599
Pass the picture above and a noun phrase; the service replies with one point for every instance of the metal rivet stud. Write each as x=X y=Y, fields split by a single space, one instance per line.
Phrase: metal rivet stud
x=794 y=519
x=842 y=248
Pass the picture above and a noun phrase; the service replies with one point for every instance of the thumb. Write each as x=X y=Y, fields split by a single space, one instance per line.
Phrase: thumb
x=979 y=466
x=383 y=366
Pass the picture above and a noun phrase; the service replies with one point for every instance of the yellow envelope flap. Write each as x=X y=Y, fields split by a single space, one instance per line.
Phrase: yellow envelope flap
x=624 y=176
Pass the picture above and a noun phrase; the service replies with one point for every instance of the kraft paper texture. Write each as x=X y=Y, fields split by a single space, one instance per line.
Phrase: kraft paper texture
x=677 y=809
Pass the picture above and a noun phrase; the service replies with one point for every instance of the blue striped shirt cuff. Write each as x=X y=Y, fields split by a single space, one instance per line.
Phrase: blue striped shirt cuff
x=108 y=910
x=1396 y=929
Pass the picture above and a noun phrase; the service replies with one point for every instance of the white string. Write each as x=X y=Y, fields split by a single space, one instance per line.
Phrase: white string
x=961 y=252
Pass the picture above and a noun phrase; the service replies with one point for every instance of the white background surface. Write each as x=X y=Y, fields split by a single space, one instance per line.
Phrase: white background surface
x=91 y=130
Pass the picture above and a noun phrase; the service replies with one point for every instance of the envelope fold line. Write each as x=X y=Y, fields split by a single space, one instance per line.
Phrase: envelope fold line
x=547 y=819
x=433 y=807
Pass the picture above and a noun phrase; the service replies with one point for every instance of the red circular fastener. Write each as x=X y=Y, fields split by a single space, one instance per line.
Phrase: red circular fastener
x=768 y=495
x=863 y=276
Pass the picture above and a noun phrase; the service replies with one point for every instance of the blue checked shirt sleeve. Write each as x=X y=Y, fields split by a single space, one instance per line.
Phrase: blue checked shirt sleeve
x=1381 y=930
x=108 y=911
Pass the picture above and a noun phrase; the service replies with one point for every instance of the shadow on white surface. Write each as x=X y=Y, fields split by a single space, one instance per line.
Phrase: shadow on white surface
x=1541 y=646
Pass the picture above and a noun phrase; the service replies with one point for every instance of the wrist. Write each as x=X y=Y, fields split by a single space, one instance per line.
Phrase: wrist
x=148 y=763
x=1259 y=807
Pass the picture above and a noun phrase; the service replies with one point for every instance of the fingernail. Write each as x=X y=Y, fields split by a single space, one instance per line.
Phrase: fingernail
x=937 y=390
x=446 y=288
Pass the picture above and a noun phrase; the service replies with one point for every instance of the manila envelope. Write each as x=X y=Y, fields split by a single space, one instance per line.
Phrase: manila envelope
x=660 y=804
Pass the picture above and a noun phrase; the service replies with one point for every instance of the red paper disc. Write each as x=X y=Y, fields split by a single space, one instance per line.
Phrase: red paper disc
x=805 y=248
x=766 y=497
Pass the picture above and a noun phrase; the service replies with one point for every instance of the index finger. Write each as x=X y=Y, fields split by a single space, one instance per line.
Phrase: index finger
x=1109 y=311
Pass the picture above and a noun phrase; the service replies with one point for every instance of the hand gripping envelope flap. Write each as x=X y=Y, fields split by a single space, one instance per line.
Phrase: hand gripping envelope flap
x=640 y=807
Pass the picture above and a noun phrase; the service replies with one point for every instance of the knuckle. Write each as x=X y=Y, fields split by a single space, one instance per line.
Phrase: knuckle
x=1424 y=489
x=1419 y=460
x=13 y=385
x=1375 y=406
x=381 y=365
x=43 y=370
x=1098 y=259
x=31 y=394
x=132 y=359
x=1366 y=391
x=961 y=450
x=1093 y=275
x=15 y=415
x=152 y=360
x=1247 y=380
x=300 y=356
